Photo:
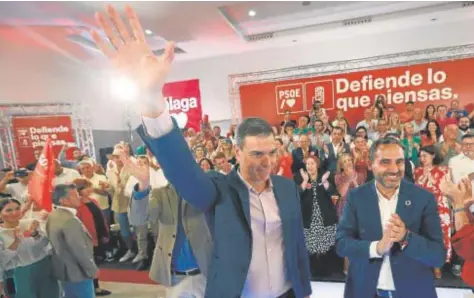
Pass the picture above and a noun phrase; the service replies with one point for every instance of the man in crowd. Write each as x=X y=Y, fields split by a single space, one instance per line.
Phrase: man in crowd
x=407 y=115
x=222 y=164
x=419 y=123
x=367 y=122
x=73 y=258
x=464 y=124
x=100 y=184
x=391 y=239
x=382 y=129
x=449 y=147
x=332 y=150
x=259 y=247
x=64 y=175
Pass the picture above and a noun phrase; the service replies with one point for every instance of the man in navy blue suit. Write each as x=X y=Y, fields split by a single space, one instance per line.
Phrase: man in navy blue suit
x=255 y=218
x=390 y=231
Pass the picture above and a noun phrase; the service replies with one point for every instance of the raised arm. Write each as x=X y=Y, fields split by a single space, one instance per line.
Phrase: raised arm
x=131 y=56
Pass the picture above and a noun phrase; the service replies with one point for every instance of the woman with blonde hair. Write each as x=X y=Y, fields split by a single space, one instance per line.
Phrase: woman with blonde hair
x=394 y=124
x=346 y=179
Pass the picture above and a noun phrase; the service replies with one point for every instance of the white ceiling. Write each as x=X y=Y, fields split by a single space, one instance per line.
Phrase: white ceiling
x=44 y=45
x=207 y=29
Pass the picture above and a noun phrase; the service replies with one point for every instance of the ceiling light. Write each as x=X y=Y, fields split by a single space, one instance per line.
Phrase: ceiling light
x=252 y=13
x=148 y=32
x=123 y=88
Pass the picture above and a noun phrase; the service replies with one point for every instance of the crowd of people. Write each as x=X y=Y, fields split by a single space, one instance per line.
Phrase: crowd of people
x=222 y=225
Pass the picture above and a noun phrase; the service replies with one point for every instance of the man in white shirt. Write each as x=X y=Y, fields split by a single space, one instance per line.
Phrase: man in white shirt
x=390 y=231
x=419 y=123
x=64 y=175
x=462 y=164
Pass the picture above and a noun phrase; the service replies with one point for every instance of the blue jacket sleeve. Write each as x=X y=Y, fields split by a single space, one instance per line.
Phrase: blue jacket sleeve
x=427 y=247
x=180 y=168
x=303 y=259
x=347 y=242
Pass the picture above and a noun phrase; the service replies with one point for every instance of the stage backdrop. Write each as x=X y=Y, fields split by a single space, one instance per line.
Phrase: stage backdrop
x=430 y=83
x=184 y=102
x=31 y=132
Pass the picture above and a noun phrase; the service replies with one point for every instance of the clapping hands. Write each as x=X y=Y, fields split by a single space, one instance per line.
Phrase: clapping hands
x=459 y=194
x=141 y=172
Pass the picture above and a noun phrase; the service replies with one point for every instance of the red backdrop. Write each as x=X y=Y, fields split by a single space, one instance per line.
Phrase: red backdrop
x=31 y=132
x=430 y=83
x=184 y=102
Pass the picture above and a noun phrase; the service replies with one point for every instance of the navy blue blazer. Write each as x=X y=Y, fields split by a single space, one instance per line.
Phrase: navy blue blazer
x=412 y=267
x=226 y=198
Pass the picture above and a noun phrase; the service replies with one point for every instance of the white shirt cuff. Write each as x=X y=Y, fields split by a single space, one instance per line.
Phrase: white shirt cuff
x=159 y=126
x=373 y=250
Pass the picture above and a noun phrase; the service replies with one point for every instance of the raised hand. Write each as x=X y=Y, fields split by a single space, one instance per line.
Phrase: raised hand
x=142 y=173
x=449 y=188
x=397 y=228
x=130 y=53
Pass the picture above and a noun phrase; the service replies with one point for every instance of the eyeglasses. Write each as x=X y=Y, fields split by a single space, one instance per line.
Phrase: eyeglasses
x=467 y=144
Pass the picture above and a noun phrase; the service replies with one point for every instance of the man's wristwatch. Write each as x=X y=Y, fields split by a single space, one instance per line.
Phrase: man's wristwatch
x=404 y=241
x=461 y=209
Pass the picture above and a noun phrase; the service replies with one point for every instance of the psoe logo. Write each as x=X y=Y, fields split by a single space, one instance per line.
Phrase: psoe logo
x=289 y=98
x=43 y=161
x=322 y=91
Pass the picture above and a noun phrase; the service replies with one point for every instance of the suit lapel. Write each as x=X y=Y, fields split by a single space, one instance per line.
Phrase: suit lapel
x=373 y=210
x=404 y=204
x=237 y=185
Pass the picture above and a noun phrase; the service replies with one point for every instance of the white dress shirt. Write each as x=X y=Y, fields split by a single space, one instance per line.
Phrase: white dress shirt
x=66 y=177
x=387 y=207
x=266 y=277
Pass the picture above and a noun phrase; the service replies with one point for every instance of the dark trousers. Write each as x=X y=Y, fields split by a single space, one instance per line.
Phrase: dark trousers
x=289 y=294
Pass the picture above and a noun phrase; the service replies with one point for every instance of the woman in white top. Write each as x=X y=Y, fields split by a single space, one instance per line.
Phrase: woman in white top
x=25 y=255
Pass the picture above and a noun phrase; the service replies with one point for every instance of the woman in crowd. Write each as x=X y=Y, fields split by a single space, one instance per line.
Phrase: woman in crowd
x=287 y=136
x=430 y=112
x=206 y=164
x=339 y=116
x=394 y=124
x=432 y=134
x=228 y=149
x=210 y=147
x=319 y=217
x=361 y=155
x=25 y=255
x=93 y=219
x=284 y=160
x=346 y=179
x=429 y=176
x=380 y=107
x=361 y=131
x=411 y=143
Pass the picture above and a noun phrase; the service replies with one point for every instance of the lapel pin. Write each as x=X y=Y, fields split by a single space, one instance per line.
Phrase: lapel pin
x=407 y=203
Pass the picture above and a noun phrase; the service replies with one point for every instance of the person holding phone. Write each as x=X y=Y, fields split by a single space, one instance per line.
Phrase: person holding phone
x=25 y=255
x=18 y=190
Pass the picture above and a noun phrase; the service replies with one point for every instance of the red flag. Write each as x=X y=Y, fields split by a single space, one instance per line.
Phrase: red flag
x=40 y=186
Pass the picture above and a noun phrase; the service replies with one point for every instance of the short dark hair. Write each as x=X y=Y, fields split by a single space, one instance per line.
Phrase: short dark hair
x=338 y=128
x=410 y=103
x=61 y=191
x=395 y=135
x=383 y=141
x=252 y=127
x=433 y=151
x=467 y=136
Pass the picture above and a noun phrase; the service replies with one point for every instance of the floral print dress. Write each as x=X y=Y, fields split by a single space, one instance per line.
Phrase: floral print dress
x=431 y=181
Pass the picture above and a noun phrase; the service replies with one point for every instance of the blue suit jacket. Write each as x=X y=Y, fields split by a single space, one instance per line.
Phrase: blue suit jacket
x=226 y=198
x=412 y=267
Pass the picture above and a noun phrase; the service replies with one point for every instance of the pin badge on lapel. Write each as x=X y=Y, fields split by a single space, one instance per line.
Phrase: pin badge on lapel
x=407 y=203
